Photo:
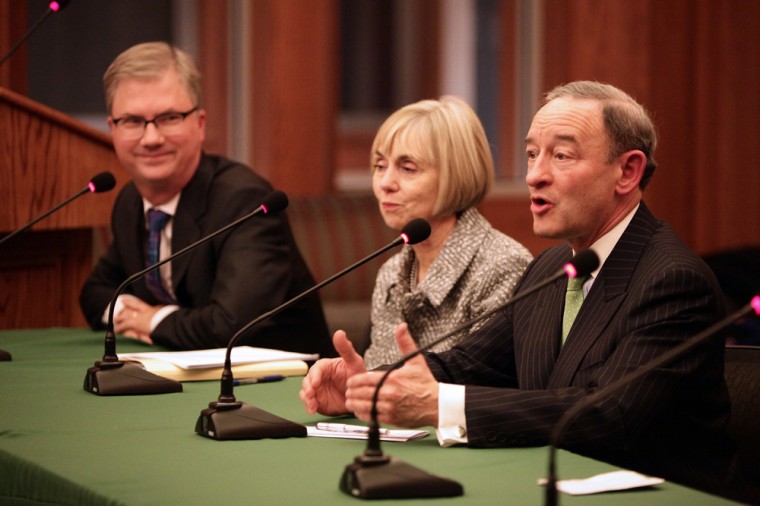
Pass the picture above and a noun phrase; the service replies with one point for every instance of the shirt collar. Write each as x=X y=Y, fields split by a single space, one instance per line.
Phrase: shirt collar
x=169 y=207
x=453 y=259
x=604 y=245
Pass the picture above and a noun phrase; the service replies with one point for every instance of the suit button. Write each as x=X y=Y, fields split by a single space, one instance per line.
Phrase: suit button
x=491 y=436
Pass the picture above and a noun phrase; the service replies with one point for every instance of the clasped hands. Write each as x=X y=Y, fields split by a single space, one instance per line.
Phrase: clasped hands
x=336 y=386
x=133 y=320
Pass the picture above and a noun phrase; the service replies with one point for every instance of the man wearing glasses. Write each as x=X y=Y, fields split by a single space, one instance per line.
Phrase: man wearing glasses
x=178 y=195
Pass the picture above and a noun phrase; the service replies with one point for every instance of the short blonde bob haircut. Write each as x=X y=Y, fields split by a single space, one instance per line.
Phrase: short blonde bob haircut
x=446 y=134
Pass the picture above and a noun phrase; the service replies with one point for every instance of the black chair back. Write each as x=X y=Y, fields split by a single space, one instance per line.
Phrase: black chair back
x=743 y=379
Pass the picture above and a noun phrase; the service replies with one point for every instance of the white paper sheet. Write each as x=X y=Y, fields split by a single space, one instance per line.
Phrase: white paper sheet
x=345 y=431
x=606 y=482
x=203 y=359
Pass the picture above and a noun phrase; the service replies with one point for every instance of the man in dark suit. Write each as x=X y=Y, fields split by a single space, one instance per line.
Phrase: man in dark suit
x=200 y=299
x=590 y=155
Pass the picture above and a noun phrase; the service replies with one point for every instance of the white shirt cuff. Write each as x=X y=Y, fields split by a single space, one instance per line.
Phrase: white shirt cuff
x=160 y=315
x=452 y=422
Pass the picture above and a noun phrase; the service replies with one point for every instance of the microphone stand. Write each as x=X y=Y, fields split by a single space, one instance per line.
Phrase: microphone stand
x=551 y=496
x=111 y=376
x=228 y=418
x=373 y=475
x=53 y=7
x=45 y=214
x=100 y=183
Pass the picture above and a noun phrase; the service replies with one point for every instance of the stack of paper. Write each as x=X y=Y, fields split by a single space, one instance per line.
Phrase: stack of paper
x=200 y=365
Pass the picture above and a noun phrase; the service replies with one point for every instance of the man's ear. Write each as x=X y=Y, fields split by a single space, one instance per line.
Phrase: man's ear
x=202 y=123
x=632 y=165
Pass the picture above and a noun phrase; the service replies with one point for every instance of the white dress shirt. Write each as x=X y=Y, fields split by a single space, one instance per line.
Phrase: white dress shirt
x=165 y=270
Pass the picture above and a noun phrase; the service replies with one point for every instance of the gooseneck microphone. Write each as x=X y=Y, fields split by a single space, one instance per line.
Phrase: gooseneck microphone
x=551 y=497
x=53 y=7
x=228 y=418
x=110 y=376
x=374 y=475
x=102 y=182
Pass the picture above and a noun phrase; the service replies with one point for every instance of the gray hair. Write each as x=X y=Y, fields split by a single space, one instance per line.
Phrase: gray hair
x=627 y=123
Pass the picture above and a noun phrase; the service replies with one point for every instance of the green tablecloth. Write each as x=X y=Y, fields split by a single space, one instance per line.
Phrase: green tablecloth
x=62 y=445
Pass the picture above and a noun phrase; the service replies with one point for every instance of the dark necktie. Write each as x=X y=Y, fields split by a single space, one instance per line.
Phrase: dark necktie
x=157 y=220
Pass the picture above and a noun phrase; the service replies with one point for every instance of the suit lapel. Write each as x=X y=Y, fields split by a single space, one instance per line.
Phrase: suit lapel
x=555 y=300
x=132 y=229
x=605 y=297
x=538 y=321
x=186 y=227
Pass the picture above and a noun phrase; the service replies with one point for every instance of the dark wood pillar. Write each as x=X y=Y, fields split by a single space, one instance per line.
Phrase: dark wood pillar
x=696 y=66
x=13 y=21
x=294 y=71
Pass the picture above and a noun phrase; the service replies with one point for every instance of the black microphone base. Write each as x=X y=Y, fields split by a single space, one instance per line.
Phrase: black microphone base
x=5 y=356
x=242 y=421
x=389 y=478
x=121 y=378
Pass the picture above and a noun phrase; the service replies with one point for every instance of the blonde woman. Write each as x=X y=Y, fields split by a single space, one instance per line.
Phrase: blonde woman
x=431 y=160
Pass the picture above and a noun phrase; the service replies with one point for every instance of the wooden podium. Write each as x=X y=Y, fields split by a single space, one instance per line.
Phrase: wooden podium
x=46 y=157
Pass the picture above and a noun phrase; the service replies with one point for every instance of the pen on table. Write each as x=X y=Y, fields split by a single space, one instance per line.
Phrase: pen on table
x=263 y=379
x=342 y=427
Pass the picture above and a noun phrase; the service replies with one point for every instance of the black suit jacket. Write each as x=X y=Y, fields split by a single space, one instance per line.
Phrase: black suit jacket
x=650 y=295
x=224 y=283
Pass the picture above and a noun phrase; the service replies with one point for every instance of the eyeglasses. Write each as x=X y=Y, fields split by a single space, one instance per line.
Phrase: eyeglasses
x=168 y=123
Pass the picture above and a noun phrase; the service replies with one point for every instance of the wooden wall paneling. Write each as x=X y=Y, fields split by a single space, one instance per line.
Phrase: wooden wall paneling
x=13 y=26
x=643 y=48
x=295 y=93
x=632 y=45
x=727 y=124
x=603 y=40
x=670 y=100
x=695 y=66
x=213 y=19
x=508 y=65
x=428 y=57
x=46 y=158
x=262 y=106
x=41 y=274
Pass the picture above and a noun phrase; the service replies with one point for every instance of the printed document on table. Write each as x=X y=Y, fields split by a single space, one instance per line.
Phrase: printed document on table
x=346 y=431
x=202 y=359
